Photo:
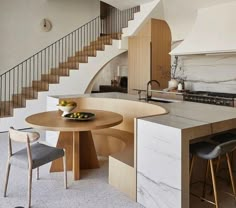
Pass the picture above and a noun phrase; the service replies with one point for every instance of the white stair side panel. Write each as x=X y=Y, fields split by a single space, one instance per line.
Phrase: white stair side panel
x=140 y=18
x=79 y=80
x=18 y=120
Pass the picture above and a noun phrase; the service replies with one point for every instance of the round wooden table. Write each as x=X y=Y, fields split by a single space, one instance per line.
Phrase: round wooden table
x=75 y=136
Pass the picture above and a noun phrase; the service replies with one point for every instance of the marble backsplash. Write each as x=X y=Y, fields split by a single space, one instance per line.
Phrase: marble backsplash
x=216 y=73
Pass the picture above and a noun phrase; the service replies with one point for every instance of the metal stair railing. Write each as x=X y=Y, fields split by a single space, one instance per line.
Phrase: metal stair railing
x=25 y=79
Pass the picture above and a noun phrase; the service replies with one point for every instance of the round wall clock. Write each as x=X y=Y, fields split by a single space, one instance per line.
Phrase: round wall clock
x=46 y=25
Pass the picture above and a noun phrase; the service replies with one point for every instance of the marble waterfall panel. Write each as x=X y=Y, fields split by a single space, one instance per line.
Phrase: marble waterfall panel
x=209 y=72
x=159 y=166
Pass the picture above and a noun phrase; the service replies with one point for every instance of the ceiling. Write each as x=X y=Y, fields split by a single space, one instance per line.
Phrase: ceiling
x=125 y=4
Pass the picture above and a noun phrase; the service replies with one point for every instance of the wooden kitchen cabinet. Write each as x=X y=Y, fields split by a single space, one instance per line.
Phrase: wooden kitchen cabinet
x=148 y=55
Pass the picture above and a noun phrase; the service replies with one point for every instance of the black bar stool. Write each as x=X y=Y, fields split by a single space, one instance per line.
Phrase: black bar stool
x=221 y=138
x=209 y=152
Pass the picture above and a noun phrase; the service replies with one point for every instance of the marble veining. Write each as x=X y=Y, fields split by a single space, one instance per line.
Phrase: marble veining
x=210 y=73
x=158 y=165
x=159 y=195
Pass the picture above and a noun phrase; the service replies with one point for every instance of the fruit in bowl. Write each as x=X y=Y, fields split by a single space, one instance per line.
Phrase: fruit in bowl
x=66 y=106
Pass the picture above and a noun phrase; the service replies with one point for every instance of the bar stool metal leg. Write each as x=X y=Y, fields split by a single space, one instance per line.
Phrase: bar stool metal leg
x=206 y=176
x=231 y=174
x=214 y=183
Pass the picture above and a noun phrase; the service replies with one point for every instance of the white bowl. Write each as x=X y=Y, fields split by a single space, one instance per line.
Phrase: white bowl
x=66 y=109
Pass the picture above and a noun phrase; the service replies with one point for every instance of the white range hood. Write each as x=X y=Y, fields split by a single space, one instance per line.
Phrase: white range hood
x=214 y=32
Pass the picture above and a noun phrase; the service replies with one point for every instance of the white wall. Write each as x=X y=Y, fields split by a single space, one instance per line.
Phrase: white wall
x=20 y=32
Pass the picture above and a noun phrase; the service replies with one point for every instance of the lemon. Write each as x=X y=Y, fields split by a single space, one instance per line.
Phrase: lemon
x=63 y=103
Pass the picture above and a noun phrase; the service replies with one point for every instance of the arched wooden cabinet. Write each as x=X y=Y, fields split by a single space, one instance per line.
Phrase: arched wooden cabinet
x=149 y=55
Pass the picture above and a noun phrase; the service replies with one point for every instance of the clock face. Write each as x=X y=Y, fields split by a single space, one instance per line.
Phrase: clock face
x=46 y=25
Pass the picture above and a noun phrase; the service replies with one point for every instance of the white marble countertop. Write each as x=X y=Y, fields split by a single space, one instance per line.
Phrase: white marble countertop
x=182 y=115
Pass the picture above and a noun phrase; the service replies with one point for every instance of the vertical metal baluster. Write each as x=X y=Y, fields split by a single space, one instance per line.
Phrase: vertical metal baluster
x=37 y=86
x=33 y=76
x=55 y=63
x=9 y=91
x=4 y=98
x=68 y=47
x=13 y=87
x=18 y=86
x=86 y=34
x=22 y=83
x=59 y=55
x=1 y=95
x=63 y=52
x=41 y=67
x=72 y=44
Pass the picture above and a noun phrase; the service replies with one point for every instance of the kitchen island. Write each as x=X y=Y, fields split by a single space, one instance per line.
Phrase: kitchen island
x=161 y=144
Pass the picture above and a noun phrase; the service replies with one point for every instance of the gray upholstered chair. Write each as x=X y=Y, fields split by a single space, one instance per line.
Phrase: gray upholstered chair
x=209 y=152
x=31 y=157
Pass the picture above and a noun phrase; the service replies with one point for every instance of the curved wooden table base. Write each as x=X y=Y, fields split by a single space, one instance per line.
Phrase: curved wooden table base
x=75 y=137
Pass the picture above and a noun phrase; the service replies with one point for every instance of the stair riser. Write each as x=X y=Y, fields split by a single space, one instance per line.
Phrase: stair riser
x=6 y=109
x=29 y=93
x=107 y=41
x=95 y=47
x=92 y=53
x=50 y=78
x=18 y=101
x=40 y=86
x=116 y=36
x=60 y=72
x=80 y=59
x=71 y=65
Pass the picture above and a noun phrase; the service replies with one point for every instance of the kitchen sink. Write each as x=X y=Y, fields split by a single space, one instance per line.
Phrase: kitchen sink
x=162 y=100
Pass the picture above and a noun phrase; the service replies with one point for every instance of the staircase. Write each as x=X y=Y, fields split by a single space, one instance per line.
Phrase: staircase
x=70 y=61
x=34 y=75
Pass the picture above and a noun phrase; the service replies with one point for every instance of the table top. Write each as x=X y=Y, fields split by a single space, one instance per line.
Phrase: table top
x=52 y=120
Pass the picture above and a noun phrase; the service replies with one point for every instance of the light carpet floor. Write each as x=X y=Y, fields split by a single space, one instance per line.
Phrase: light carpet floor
x=92 y=191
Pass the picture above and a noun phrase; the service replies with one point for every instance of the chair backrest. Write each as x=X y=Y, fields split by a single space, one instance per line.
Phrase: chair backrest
x=224 y=148
x=23 y=136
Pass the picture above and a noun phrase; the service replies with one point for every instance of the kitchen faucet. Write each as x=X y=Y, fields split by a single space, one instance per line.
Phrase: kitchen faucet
x=150 y=83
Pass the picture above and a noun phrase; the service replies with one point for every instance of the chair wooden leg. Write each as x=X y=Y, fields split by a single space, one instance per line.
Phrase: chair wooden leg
x=214 y=183
x=231 y=174
x=65 y=169
x=7 y=177
x=29 y=186
x=206 y=175
x=37 y=173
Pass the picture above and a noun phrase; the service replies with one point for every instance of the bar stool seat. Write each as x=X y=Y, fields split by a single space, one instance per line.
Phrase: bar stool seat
x=204 y=150
x=209 y=152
